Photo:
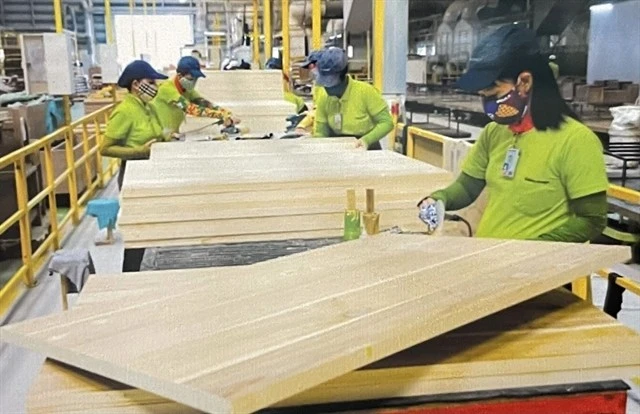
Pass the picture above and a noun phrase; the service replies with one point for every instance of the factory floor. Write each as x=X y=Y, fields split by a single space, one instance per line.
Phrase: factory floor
x=19 y=368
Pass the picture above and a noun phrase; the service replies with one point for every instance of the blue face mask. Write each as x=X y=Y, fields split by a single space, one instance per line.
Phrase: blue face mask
x=508 y=109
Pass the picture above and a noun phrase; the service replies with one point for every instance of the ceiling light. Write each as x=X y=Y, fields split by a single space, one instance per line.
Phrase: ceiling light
x=601 y=7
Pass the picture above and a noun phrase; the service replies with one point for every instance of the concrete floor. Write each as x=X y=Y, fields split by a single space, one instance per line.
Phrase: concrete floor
x=18 y=367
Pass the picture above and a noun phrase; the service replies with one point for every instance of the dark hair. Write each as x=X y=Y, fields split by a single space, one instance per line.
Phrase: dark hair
x=548 y=109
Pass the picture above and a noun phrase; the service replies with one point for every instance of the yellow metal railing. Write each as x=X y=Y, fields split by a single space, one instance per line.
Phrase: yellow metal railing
x=89 y=129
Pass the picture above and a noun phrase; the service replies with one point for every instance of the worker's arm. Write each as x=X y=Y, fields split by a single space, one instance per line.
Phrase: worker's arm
x=588 y=220
x=461 y=193
x=194 y=109
x=115 y=138
x=383 y=125
x=321 y=124
x=112 y=147
x=584 y=176
x=307 y=121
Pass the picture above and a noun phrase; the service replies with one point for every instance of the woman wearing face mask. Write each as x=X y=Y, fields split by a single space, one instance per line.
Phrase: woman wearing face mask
x=177 y=98
x=306 y=125
x=544 y=171
x=133 y=125
x=348 y=107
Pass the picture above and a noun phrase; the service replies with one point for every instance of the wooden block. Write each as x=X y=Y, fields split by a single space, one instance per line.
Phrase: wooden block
x=370 y=199
x=226 y=347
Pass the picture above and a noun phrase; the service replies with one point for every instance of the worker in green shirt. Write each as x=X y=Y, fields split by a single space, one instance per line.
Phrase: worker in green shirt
x=306 y=125
x=350 y=107
x=543 y=170
x=133 y=125
x=177 y=98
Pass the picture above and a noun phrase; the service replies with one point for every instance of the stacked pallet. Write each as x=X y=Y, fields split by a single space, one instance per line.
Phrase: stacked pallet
x=241 y=339
x=268 y=196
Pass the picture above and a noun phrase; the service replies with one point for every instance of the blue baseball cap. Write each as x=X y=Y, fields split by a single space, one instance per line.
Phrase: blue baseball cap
x=190 y=65
x=312 y=58
x=136 y=70
x=332 y=62
x=495 y=53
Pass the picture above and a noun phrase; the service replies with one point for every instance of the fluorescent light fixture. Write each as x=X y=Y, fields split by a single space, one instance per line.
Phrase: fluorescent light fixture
x=601 y=7
x=350 y=51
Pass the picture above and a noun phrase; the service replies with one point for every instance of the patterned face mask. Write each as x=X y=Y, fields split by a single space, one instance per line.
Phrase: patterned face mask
x=508 y=109
x=147 y=91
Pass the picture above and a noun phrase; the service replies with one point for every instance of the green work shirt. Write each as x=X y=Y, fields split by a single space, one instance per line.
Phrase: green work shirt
x=554 y=166
x=171 y=116
x=132 y=123
x=361 y=110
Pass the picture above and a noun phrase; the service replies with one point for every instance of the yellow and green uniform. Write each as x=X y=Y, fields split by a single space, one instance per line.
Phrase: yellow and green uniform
x=296 y=100
x=560 y=176
x=308 y=121
x=173 y=104
x=132 y=124
x=361 y=110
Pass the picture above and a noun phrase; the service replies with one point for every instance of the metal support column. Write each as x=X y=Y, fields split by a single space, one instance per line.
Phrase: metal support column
x=286 y=40
x=266 y=28
x=316 y=24
x=256 y=36
x=378 y=42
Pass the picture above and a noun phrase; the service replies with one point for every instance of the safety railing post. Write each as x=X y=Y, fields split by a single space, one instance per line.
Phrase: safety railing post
x=25 y=222
x=53 y=204
x=87 y=160
x=72 y=179
x=99 y=167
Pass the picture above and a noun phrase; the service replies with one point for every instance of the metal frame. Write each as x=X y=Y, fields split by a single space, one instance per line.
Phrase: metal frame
x=32 y=260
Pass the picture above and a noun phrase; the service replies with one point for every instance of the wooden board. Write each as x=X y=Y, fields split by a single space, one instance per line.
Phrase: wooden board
x=227 y=347
x=557 y=329
x=260 y=123
x=269 y=171
x=242 y=85
x=216 y=149
x=266 y=194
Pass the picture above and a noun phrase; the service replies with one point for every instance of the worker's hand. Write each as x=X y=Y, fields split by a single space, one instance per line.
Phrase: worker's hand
x=148 y=144
x=231 y=121
x=177 y=136
x=425 y=202
x=361 y=144
x=302 y=131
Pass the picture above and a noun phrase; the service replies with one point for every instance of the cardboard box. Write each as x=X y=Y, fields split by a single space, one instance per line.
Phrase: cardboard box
x=60 y=164
x=9 y=142
x=34 y=120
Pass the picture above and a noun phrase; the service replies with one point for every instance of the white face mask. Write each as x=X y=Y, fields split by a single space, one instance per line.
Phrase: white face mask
x=188 y=84
x=147 y=91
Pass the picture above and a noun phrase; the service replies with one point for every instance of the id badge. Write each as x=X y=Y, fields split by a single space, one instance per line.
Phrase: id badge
x=510 y=163
x=337 y=120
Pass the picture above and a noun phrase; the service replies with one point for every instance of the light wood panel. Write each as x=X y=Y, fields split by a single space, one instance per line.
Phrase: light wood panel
x=268 y=171
x=254 y=124
x=227 y=347
x=216 y=149
x=552 y=339
x=242 y=85
x=270 y=191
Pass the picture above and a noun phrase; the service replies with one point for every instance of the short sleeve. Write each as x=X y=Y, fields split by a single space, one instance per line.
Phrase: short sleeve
x=583 y=170
x=119 y=125
x=475 y=164
x=167 y=92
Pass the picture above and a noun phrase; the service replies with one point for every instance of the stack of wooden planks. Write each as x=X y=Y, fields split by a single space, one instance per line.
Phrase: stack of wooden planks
x=224 y=340
x=556 y=329
x=256 y=97
x=290 y=191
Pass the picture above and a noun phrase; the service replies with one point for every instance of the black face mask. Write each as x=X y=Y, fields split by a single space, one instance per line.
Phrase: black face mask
x=339 y=89
x=147 y=91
